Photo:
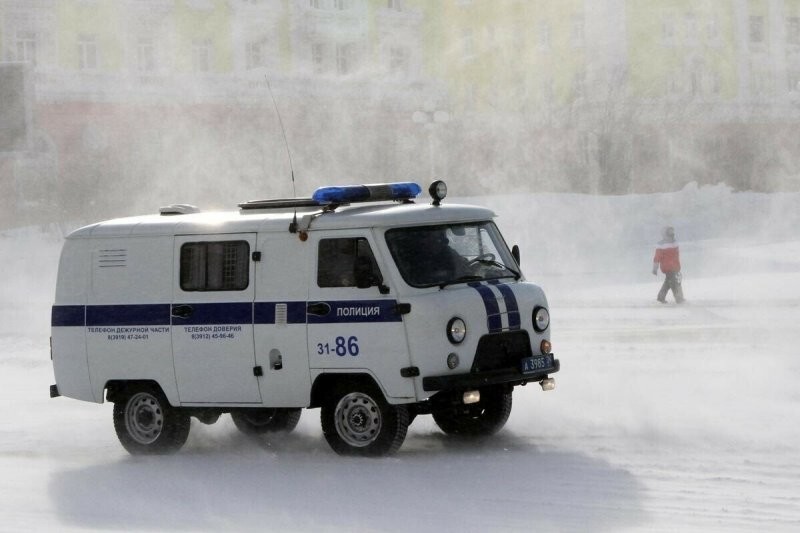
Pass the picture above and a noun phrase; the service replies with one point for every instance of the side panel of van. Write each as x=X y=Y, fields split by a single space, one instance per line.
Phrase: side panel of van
x=280 y=320
x=127 y=313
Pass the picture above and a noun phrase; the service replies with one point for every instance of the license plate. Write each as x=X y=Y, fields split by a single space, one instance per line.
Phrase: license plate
x=537 y=363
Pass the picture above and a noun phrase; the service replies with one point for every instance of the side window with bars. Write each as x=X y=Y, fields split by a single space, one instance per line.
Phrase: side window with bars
x=215 y=266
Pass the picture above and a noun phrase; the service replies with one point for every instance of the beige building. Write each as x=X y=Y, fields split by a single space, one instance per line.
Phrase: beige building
x=586 y=95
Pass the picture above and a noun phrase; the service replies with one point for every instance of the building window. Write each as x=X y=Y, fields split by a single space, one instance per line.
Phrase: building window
x=793 y=77
x=578 y=34
x=146 y=55
x=756 y=29
x=254 y=55
x=518 y=37
x=398 y=60
x=467 y=43
x=318 y=57
x=87 y=52
x=316 y=4
x=344 y=59
x=579 y=84
x=691 y=28
x=696 y=82
x=712 y=31
x=761 y=82
x=201 y=55
x=716 y=83
x=25 y=44
x=674 y=86
x=548 y=89
x=341 y=4
x=396 y=5
x=215 y=266
x=668 y=31
x=543 y=36
x=345 y=262
x=793 y=30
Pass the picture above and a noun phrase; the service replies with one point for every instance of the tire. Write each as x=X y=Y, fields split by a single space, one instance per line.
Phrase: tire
x=146 y=424
x=261 y=421
x=357 y=420
x=484 y=418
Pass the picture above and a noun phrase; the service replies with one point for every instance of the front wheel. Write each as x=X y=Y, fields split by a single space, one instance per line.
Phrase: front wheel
x=481 y=419
x=147 y=424
x=261 y=421
x=357 y=420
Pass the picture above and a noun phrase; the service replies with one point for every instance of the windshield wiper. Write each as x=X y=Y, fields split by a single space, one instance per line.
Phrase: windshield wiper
x=514 y=273
x=461 y=279
x=498 y=264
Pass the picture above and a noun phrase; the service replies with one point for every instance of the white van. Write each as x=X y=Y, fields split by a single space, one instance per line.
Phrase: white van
x=375 y=312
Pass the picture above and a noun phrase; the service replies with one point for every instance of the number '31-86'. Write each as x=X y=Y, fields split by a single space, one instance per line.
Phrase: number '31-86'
x=341 y=346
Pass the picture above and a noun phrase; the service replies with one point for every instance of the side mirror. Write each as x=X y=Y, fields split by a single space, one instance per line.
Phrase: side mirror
x=515 y=253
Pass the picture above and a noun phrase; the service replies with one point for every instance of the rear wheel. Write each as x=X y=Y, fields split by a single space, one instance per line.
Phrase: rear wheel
x=146 y=423
x=260 y=421
x=486 y=417
x=357 y=420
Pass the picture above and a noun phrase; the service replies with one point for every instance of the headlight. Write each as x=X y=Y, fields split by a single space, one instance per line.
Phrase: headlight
x=541 y=319
x=456 y=330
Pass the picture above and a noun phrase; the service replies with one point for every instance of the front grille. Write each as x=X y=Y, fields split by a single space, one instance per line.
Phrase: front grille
x=501 y=350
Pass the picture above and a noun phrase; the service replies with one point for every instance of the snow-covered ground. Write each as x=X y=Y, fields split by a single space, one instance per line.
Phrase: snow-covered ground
x=664 y=417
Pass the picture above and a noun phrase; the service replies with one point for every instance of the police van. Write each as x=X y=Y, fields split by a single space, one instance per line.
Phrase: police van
x=357 y=300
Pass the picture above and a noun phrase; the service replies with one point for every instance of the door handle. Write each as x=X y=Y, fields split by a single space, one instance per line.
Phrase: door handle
x=318 y=309
x=182 y=311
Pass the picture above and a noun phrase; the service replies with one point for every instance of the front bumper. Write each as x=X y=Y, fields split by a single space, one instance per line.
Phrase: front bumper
x=476 y=380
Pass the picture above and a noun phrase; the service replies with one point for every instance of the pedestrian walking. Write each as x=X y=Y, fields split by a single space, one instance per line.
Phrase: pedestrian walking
x=668 y=257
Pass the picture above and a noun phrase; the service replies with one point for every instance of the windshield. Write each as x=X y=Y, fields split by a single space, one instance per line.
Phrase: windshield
x=450 y=253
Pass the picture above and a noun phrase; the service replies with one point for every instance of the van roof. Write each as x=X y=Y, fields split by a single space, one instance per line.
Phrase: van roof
x=385 y=215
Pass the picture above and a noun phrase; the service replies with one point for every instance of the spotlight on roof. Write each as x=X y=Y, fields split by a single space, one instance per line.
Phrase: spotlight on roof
x=438 y=191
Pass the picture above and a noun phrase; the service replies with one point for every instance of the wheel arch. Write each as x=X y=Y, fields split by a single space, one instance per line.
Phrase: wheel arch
x=325 y=384
x=117 y=389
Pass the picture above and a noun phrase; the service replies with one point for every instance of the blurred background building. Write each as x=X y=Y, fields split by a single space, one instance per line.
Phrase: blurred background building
x=110 y=107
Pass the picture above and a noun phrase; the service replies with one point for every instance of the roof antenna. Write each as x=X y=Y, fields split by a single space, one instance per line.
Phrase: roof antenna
x=293 y=225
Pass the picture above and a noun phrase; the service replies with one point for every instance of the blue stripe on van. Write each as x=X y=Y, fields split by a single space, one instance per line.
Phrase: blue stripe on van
x=349 y=311
x=127 y=315
x=215 y=313
x=512 y=308
x=68 y=315
x=343 y=311
x=264 y=312
x=493 y=320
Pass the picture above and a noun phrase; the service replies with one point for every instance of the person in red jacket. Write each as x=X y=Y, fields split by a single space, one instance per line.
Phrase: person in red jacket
x=668 y=256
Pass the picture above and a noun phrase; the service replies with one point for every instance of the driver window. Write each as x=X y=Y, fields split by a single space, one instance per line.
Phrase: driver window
x=340 y=260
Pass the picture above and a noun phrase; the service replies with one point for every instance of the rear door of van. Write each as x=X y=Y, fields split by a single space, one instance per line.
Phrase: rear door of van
x=212 y=319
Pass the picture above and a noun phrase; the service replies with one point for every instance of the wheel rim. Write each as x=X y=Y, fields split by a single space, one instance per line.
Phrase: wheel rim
x=358 y=419
x=144 y=418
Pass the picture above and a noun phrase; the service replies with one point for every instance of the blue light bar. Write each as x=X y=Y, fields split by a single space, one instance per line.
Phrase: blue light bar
x=346 y=194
